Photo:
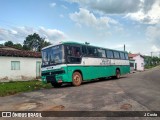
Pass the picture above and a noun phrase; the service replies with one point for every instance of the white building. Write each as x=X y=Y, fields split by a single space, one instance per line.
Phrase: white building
x=136 y=62
x=19 y=64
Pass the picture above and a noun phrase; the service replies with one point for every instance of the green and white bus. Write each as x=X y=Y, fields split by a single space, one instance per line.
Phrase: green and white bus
x=75 y=62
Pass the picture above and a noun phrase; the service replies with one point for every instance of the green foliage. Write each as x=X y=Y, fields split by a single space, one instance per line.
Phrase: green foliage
x=1 y=45
x=25 y=47
x=129 y=52
x=9 y=44
x=13 y=87
x=151 y=61
x=18 y=46
x=34 y=42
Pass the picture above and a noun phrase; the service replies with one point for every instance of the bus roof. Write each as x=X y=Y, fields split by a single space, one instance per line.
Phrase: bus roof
x=77 y=43
x=68 y=42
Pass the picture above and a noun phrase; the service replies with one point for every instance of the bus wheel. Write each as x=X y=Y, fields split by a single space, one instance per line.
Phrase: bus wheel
x=76 y=79
x=56 y=85
x=118 y=74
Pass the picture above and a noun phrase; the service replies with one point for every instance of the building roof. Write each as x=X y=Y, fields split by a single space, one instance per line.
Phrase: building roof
x=19 y=53
x=8 y=48
x=134 y=55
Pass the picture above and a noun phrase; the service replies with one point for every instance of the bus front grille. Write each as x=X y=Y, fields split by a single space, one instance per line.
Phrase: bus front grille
x=50 y=79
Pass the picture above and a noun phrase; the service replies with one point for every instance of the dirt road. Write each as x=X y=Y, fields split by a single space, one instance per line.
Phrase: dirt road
x=134 y=92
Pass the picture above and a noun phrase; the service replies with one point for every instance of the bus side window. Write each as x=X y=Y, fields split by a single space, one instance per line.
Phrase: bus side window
x=73 y=54
x=68 y=50
x=109 y=54
x=73 y=51
x=92 y=51
x=126 y=56
x=84 y=52
x=122 y=55
x=101 y=53
x=116 y=55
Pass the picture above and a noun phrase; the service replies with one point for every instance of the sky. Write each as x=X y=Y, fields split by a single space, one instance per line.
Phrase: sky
x=104 y=23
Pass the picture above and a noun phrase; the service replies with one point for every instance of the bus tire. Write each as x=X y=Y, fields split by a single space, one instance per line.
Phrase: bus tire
x=56 y=85
x=76 y=79
x=118 y=74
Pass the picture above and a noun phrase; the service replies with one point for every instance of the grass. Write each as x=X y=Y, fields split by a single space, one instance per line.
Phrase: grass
x=150 y=66
x=13 y=87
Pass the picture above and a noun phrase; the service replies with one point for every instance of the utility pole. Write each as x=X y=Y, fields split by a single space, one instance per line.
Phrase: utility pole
x=151 y=54
x=124 y=47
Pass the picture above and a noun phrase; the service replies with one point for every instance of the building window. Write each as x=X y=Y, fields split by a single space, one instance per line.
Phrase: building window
x=15 y=65
x=142 y=65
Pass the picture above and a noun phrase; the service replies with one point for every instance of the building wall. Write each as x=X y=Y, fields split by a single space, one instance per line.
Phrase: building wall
x=27 y=68
x=140 y=62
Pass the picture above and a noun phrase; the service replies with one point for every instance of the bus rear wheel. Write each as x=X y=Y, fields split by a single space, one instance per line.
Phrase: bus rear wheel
x=118 y=74
x=76 y=79
x=56 y=85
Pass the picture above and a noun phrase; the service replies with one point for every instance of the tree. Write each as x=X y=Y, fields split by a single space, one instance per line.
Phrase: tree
x=18 y=46
x=1 y=45
x=11 y=44
x=25 y=47
x=151 y=61
x=43 y=43
x=8 y=44
x=148 y=60
x=34 y=42
x=129 y=52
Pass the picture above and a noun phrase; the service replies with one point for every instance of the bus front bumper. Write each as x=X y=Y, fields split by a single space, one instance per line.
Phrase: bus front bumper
x=53 y=79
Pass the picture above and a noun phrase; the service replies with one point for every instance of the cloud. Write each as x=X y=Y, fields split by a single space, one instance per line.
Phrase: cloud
x=110 y=6
x=18 y=34
x=153 y=35
x=52 y=34
x=63 y=6
x=149 y=12
x=85 y=17
x=144 y=11
x=53 y=4
x=155 y=49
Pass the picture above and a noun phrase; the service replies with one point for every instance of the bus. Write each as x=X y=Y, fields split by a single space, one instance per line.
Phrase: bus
x=72 y=62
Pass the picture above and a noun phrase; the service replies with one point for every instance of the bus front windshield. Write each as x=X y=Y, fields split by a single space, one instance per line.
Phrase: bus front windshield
x=52 y=55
